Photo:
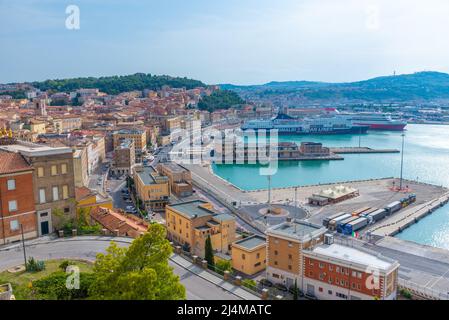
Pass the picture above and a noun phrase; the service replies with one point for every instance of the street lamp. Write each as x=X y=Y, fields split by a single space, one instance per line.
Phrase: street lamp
x=402 y=160
x=23 y=243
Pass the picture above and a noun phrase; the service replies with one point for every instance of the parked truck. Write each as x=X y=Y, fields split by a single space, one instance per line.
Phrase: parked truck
x=342 y=223
x=378 y=215
x=332 y=217
x=355 y=225
x=333 y=223
x=358 y=212
x=393 y=207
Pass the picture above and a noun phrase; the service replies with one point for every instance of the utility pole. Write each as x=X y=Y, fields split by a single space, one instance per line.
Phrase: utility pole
x=23 y=243
x=402 y=161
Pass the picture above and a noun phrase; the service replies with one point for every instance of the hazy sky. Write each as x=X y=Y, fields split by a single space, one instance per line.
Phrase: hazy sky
x=224 y=41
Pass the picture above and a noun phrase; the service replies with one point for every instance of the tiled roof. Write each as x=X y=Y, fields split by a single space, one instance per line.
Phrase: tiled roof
x=12 y=162
x=83 y=192
x=128 y=226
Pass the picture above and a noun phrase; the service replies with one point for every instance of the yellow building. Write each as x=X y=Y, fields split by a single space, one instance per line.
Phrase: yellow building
x=138 y=136
x=89 y=199
x=249 y=255
x=151 y=188
x=190 y=223
x=38 y=127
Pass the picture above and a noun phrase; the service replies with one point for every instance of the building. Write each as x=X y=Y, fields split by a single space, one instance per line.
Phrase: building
x=337 y=272
x=249 y=255
x=314 y=149
x=80 y=168
x=53 y=181
x=138 y=136
x=333 y=195
x=179 y=178
x=118 y=224
x=124 y=158
x=17 y=209
x=66 y=124
x=190 y=223
x=89 y=199
x=151 y=188
x=285 y=245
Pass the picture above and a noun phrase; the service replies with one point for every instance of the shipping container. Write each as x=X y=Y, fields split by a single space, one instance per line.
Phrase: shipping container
x=355 y=225
x=393 y=207
x=412 y=198
x=378 y=215
x=332 y=217
x=360 y=211
x=333 y=223
x=342 y=223
x=368 y=212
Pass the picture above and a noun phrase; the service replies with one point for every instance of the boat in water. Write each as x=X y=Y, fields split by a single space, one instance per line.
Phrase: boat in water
x=286 y=124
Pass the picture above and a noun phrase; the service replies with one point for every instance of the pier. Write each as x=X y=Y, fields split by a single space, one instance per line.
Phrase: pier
x=360 y=150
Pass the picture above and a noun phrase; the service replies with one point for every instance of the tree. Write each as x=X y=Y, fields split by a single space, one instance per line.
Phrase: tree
x=140 y=272
x=209 y=253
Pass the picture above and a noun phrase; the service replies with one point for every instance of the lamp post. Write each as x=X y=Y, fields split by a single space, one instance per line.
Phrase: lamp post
x=402 y=160
x=23 y=243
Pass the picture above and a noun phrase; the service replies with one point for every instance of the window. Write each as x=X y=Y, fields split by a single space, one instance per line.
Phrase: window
x=54 y=170
x=14 y=225
x=64 y=168
x=289 y=267
x=243 y=256
x=40 y=172
x=354 y=274
x=275 y=252
x=55 y=191
x=290 y=244
x=12 y=205
x=329 y=292
x=290 y=256
x=331 y=268
x=66 y=210
x=65 y=192
x=258 y=255
x=275 y=263
x=12 y=184
x=321 y=265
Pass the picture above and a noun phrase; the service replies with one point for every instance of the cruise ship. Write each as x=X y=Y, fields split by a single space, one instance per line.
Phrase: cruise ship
x=374 y=120
x=286 y=124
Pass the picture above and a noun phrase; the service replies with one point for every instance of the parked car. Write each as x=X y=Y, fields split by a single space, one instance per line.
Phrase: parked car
x=108 y=190
x=281 y=287
x=266 y=283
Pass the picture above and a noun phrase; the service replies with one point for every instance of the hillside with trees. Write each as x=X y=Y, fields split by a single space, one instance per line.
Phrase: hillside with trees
x=118 y=84
x=222 y=99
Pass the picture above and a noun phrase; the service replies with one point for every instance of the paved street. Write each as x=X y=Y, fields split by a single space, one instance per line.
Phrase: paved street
x=200 y=285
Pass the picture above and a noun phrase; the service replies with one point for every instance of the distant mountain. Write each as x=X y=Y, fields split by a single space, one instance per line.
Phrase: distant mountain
x=421 y=86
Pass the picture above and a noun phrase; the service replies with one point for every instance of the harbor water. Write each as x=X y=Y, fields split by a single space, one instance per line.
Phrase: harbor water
x=426 y=159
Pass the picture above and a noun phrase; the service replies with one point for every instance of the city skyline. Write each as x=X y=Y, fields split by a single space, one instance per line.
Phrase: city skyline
x=241 y=43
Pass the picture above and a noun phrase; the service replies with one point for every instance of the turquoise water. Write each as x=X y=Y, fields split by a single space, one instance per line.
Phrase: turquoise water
x=426 y=158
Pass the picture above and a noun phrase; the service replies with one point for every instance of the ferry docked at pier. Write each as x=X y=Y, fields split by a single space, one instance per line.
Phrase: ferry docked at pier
x=286 y=124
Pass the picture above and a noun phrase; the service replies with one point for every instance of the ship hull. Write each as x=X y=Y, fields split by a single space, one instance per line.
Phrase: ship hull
x=354 y=130
x=384 y=127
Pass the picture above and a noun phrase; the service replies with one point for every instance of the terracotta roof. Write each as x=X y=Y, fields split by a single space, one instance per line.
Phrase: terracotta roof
x=83 y=192
x=127 y=225
x=13 y=162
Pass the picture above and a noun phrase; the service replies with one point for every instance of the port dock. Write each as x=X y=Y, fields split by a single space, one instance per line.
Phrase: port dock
x=360 y=150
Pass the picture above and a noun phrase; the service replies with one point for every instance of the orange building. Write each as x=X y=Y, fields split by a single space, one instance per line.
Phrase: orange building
x=17 y=208
x=249 y=255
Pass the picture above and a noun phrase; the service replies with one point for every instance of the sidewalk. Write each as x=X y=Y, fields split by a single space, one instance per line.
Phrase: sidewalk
x=238 y=291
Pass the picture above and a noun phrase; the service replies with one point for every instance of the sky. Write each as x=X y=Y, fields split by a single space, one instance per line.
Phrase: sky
x=224 y=41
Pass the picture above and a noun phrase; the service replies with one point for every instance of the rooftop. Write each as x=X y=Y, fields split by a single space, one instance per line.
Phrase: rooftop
x=348 y=254
x=129 y=131
x=300 y=230
x=34 y=150
x=251 y=242
x=193 y=209
x=12 y=162
x=148 y=174
x=335 y=192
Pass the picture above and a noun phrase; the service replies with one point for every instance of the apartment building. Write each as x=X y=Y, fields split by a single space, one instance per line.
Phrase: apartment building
x=337 y=272
x=179 y=178
x=151 y=188
x=285 y=245
x=80 y=168
x=138 y=136
x=249 y=255
x=190 y=223
x=53 y=181
x=66 y=124
x=124 y=158
x=17 y=209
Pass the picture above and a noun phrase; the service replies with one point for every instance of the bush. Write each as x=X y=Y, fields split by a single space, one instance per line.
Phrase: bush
x=63 y=266
x=249 y=283
x=406 y=294
x=53 y=287
x=221 y=266
x=33 y=265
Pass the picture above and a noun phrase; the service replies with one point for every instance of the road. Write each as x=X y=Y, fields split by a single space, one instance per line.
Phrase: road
x=197 y=288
